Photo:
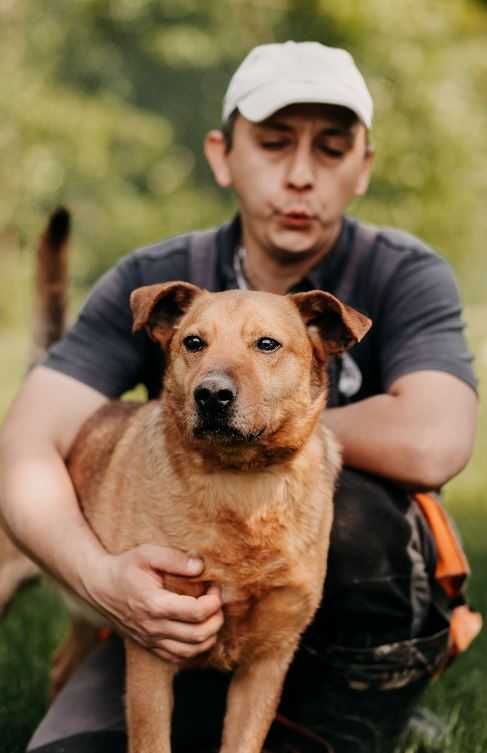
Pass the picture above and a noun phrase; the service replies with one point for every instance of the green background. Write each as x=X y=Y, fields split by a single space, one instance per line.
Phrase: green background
x=103 y=107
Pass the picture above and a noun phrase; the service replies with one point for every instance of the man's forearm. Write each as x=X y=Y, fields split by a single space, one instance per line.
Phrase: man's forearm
x=380 y=435
x=42 y=515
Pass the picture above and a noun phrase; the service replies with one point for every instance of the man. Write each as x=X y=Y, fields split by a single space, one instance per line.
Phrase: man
x=295 y=150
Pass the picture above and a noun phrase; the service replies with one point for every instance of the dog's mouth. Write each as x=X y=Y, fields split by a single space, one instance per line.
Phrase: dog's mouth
x=215 y=430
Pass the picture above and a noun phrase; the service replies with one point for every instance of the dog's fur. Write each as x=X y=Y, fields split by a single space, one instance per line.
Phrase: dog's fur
x=247 y=486
x=250 y=491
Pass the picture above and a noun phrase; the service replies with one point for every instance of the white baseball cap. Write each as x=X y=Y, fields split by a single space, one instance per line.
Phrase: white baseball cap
x=273 y=76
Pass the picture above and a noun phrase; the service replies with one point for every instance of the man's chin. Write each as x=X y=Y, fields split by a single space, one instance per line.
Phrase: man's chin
x=291 y=247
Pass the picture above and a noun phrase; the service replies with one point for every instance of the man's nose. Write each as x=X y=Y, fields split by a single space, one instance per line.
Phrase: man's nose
x=301 y=174
x=215 y=394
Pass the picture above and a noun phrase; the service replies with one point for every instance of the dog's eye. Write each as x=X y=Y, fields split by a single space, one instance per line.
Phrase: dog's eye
x=193 y=343
x=267 y=344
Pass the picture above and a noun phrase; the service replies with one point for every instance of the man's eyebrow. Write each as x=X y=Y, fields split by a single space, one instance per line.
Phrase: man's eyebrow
x=280 y=125
x=338 y=130
x=274 y=125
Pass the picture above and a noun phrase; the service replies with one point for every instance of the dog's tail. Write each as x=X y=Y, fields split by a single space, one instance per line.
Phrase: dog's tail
x=50 y=284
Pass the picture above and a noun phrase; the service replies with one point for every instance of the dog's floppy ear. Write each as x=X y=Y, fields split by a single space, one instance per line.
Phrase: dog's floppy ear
x=332 y=325
x=158 y=308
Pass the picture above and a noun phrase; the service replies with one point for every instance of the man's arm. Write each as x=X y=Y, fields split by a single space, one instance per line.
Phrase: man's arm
x=421 y=433
x=41 y=512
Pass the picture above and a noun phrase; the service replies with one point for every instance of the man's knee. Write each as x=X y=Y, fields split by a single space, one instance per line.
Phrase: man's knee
x=381 y=563
x=360 y=699
x=371 y=530
x=378 y=637
x=90 y=704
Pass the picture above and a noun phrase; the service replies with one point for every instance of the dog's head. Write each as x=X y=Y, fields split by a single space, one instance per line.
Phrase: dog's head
x=245 y=368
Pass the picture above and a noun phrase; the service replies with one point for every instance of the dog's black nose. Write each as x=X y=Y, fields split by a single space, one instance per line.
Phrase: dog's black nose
x=215 y=394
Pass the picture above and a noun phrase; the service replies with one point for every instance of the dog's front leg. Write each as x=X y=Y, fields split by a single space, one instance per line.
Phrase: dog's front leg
x=149 y=700
x=253 y=697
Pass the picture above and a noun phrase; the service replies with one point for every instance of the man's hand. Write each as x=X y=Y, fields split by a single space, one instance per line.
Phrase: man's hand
x=174 y=626
x=41 y=513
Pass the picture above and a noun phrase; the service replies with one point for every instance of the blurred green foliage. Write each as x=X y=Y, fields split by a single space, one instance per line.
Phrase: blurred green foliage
x=104 y=105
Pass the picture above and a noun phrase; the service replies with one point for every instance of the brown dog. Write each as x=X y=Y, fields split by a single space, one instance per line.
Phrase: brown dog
x=233 y=464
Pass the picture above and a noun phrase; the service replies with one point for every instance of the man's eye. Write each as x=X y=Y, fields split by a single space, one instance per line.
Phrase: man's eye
x=331 y=151
x=267 y=344
x=273 y=145
x=335 y=144
x=193 y=343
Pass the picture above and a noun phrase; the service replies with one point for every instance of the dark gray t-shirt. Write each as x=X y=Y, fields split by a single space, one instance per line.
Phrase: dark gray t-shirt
x=407 y=290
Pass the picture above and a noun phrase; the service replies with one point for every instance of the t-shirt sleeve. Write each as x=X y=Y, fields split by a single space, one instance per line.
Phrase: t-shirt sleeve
x=100 y=349
x=421 y=325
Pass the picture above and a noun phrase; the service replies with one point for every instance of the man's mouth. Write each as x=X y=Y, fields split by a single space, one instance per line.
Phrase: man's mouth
x=296 y=218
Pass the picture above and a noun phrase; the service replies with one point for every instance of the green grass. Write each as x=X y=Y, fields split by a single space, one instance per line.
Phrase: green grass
x=29 y=632
x=36 y=620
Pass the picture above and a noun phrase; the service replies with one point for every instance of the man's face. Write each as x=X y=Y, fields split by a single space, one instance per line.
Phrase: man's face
x=294 y=175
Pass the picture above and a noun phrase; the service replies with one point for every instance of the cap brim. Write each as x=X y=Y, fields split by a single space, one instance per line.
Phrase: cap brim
x=267 y=100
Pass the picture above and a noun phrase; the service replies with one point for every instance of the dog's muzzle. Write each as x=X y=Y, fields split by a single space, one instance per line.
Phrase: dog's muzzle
x=215 y=395
x=214 y=398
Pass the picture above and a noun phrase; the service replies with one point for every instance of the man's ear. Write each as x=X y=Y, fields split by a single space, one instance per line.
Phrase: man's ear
x=158 y=308
x=364 y=176
x=216 y=154
x=332 y=325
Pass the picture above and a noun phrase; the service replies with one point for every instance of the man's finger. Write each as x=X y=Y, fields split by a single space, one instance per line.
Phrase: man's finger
x=170 y=560
x=167 y=656
x=193 y=633
x=183 y=651
x=171 y=606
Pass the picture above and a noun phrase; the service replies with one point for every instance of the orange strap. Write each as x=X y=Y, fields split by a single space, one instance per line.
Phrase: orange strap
x=452 y=569
x=452 y=566
x=465 y=625
x=104 y=633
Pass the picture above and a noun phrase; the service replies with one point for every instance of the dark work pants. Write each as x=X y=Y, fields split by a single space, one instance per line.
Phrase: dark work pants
x=379 y=636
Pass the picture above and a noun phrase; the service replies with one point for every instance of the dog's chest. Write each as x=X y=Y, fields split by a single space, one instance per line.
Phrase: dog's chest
x=257 y=536
x=247 y=554
x=248 y=559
